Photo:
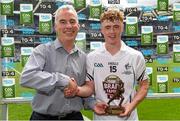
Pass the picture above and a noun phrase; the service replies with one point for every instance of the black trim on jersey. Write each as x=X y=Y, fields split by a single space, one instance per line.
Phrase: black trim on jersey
x=130 y=98
x=134 y=76
x=141 y=76
x=90 y=77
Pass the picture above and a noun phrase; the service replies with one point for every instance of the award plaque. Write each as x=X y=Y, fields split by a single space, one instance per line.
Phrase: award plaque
x=116 y=109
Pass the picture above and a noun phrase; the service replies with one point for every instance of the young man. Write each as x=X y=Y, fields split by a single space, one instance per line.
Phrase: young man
x=116 y=64
x=55 y=66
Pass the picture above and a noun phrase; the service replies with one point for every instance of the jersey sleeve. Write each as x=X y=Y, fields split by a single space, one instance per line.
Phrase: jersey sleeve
x=90 y=68
x=141 y=68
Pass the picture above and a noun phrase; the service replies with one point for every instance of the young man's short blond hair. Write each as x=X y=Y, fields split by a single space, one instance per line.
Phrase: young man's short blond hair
x=112 y=15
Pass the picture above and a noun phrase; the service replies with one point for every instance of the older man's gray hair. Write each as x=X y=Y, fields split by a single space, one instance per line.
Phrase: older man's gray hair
x=68 y=7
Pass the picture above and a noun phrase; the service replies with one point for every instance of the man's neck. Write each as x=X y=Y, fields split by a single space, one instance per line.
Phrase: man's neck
x=113 y=49
x=68 y=45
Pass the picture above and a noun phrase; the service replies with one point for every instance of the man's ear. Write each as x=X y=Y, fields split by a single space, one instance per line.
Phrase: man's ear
x=78 y=26
x=101 y=30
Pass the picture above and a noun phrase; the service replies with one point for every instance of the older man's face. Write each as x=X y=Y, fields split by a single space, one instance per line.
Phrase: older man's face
x=67 y=25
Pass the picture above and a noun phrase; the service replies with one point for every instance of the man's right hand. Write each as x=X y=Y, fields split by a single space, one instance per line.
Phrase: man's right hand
x=72 y=89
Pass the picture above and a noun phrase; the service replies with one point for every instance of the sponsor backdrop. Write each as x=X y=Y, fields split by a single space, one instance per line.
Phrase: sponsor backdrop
x=151 y=26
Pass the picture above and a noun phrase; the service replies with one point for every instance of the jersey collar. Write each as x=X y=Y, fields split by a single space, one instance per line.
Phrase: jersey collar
x=123 y=47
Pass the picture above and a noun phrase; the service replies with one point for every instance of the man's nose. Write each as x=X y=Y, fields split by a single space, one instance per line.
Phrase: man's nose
x=68 y=25
x=111 y=30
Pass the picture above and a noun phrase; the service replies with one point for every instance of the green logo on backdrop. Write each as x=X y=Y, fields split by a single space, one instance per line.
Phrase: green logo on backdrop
x=45 y=27
x=131 y=29
x=8 y=87
x=7 y=8
x=95 y=11
x=176 y=57
x=8 y=50
x=162 y=48
x=163 y=5
x=79 y=4
x=26 y=18
x=162 y=83
x=146 y=39
x=176 y=12
x=162 y=87
x=24 y=59
x=9 y=91
x=176 y=16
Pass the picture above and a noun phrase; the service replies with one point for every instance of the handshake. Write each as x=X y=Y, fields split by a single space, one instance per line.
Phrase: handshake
x=72 y=89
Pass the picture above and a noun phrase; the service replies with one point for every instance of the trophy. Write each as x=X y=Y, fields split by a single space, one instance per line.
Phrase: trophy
x=114 y=109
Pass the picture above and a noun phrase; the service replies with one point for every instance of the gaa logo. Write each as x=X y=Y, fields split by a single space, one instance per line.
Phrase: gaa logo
x=26 y=16
x=8 y=92
x=98 y=65
x=131 y=29
x=162 y=5
x=6 y=6
x=96 y=12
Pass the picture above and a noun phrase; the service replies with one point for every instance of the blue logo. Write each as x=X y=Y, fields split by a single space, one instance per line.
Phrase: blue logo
x=98 y=65
x=8 y=22
x=82 y=16
x=162 y=18
x=8 y=65
x=95 y=26
x=132 y=1
x=162 y=60
x=147 y=52
x=176 y=28
x=132 y=43
x=147 y=9
x=176 y=69
x=45 y=39
x=176 y=90
x=59 y=3
x=27 y=31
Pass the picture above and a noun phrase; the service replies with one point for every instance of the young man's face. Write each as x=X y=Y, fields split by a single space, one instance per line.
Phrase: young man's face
x=111 y=31
x=67 y=25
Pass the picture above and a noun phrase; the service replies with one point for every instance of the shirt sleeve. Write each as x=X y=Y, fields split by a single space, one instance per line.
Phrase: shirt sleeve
x=141 y=68
x=90 y=68
x=89 y=102
x=34 y=76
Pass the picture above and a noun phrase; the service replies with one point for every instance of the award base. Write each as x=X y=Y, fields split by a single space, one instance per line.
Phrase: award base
x=114 y=110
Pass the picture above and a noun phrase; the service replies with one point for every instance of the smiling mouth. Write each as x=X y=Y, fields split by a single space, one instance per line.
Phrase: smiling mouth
x=112 y=37
x=68 y=32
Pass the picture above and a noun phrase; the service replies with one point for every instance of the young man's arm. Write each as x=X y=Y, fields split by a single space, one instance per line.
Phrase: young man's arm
x=86 y=90
x=82 y=91
x=140 y=95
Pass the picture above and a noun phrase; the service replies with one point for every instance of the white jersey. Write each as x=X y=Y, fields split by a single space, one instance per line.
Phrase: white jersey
x=107 y=71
